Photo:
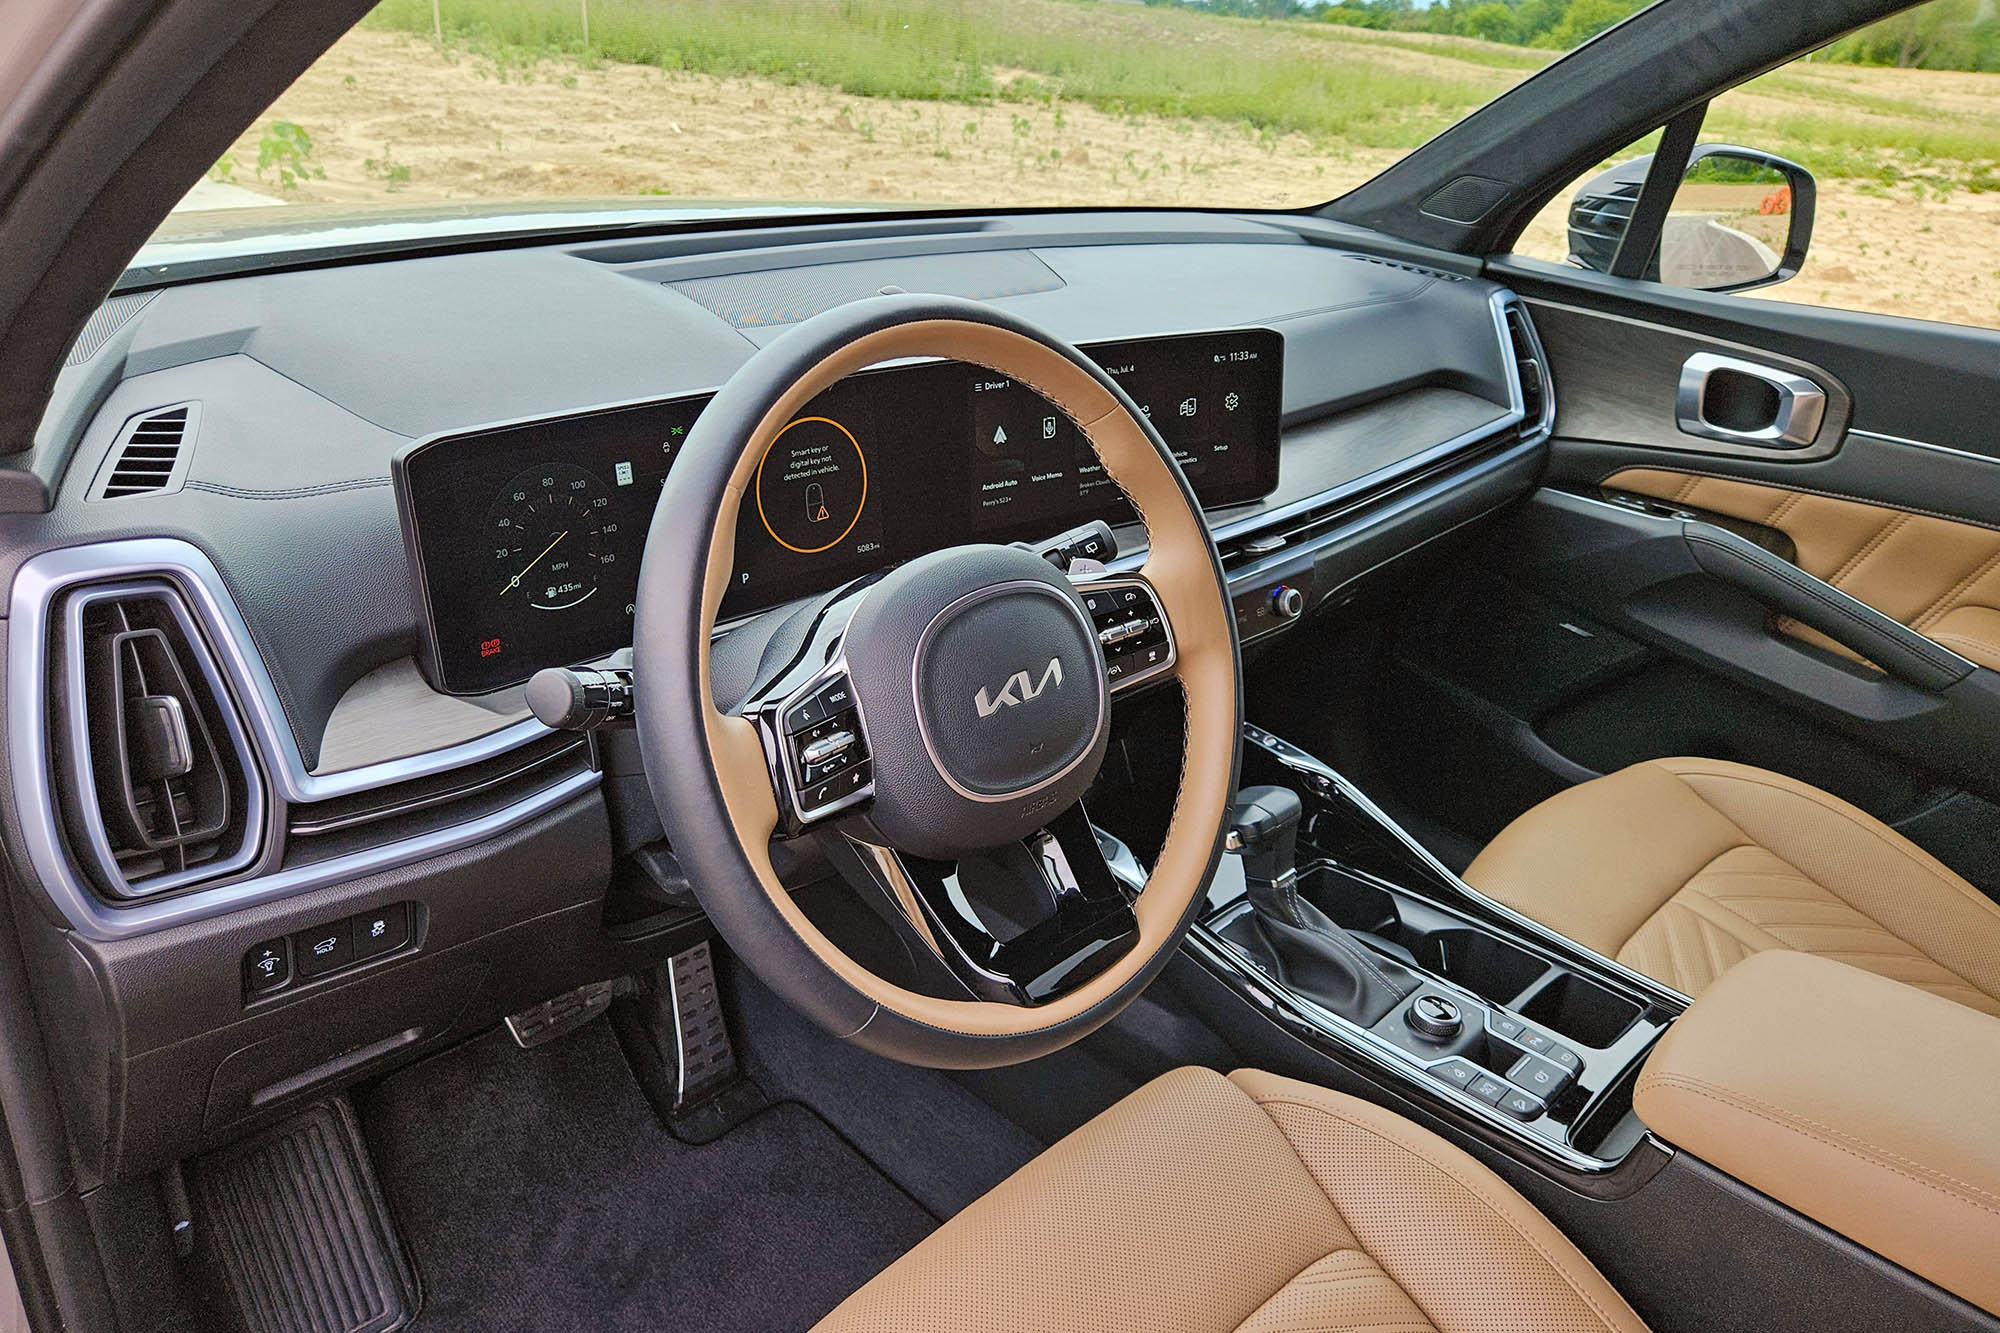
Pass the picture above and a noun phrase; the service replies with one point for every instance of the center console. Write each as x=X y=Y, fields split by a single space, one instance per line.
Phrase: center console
x=1366 y=946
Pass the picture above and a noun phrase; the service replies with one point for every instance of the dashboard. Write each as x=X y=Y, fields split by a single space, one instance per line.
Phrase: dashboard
x=525 y=539
x=346 y=532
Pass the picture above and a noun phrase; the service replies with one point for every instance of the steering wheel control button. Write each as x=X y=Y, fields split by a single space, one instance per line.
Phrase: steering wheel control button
x=323 y=950
x=1458 y=1073
x=1435 y=1016
x=826 y=758
x=1489 y=1088
x=1131 y=631
x=380 y=932
x=267 y=967
x=819 y=799
x=1538 y=1076
x=806 y=713
x=1522 y=1105
x=830 y=746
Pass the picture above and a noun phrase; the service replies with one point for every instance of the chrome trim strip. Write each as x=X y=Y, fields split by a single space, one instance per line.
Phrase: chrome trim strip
x=1516 y=415
x=1883 y=437
x=313 y=828
x=37 y=585
x=97 y=921
x=43 y=578
x=1297 y=758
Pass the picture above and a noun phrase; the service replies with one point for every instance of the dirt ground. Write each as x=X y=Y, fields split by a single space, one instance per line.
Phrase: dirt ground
x=396 y=120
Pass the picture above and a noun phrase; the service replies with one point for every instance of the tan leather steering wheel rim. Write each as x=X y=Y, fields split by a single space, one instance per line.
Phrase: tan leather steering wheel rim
x=746 y=901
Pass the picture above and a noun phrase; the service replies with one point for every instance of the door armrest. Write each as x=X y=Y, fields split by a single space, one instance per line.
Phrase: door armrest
x=1862 y=1102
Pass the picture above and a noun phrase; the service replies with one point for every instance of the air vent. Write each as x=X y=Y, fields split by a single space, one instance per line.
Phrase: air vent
x=160 y=792
x=151 y=453
x=1528 y=358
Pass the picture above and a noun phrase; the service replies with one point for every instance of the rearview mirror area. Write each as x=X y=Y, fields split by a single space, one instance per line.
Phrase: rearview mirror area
x=1739 y=218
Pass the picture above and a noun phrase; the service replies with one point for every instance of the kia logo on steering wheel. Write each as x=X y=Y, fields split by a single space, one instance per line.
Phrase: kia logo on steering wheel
x=1020 y=688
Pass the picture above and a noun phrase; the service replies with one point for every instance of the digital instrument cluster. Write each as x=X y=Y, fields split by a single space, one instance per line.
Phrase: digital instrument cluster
x=525 y=539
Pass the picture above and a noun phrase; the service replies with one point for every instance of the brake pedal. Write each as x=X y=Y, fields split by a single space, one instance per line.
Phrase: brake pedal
x=298 y=1227
x=567 y=1012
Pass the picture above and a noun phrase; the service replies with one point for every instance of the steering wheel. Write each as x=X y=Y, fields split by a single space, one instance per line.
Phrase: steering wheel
x=961 y=705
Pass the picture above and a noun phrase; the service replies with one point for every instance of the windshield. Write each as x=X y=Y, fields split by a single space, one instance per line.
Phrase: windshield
x=473 y=105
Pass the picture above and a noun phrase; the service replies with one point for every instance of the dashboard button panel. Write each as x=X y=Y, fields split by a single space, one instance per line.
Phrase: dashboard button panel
x=306 y=955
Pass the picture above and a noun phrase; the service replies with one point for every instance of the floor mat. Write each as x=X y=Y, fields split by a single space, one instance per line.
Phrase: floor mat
x=535 y=1190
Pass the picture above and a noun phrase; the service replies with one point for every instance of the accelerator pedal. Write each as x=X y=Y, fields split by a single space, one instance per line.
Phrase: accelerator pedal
x=296 y=1224
x=678 y=1043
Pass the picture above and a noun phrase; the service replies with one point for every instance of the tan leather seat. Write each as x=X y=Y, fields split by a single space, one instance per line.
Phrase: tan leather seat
x=1202 y=1203
x=1682 y=868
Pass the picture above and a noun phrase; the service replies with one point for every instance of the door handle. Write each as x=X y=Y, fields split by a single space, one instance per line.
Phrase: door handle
x=1741 y=402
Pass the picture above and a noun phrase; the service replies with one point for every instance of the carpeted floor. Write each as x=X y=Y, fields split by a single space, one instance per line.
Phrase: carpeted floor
x=536 y=1191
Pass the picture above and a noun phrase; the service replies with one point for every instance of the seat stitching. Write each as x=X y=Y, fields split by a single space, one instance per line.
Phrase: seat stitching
x=1775 y=941
x=1852 y=1145
x=1311 y=1263
x=1915 y=954
x=1472 y=1189
x=1812 y=796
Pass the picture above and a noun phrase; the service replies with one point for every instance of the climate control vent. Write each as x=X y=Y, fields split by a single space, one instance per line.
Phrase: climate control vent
x=151 y=454
x=160 y=789
x=1528 y=359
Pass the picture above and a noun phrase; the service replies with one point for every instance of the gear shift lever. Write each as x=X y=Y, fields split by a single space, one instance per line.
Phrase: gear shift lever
x=1299 y=943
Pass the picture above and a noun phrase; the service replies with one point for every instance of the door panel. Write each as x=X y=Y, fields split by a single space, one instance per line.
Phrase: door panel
x=1830 y=611
x=1940 y=577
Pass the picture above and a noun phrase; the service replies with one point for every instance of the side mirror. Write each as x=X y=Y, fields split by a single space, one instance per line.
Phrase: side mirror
x=1739 y=218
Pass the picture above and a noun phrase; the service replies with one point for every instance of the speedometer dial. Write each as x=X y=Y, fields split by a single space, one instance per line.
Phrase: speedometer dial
x=551 y=538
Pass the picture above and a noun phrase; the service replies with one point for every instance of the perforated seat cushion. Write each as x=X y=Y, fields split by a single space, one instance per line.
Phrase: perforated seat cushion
x=1682 y=868
x=1202 y=1204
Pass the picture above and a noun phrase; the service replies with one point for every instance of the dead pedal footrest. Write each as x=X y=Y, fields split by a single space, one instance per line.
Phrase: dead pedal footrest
x=296 y=1224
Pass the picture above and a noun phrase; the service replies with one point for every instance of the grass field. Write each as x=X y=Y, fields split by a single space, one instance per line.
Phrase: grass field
x=1053 y=102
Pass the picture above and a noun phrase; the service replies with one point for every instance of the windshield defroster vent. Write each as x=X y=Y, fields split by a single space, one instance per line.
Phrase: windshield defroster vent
x=151 y=454
x=159 y=787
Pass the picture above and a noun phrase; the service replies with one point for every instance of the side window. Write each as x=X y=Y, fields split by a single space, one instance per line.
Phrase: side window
x=1865 y=176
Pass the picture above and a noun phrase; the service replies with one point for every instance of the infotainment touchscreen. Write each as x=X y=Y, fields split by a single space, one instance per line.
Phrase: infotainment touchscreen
x=525 y=538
